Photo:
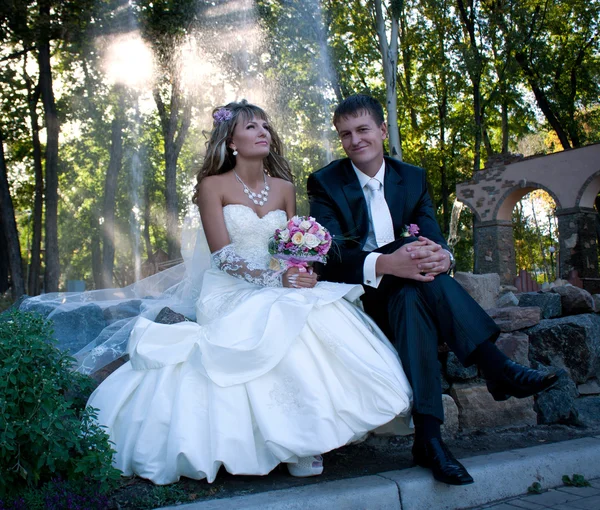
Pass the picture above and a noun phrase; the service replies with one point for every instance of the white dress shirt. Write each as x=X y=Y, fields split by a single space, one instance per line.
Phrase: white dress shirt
x=369 y=273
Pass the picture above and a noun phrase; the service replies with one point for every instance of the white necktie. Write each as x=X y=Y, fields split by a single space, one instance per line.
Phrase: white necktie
x=380 y=213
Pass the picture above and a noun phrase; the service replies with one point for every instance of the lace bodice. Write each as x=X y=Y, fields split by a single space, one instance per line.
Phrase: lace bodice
x=247 y=257
x=250 y=234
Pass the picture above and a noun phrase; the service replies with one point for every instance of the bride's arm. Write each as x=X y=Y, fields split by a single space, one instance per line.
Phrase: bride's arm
x=224 y=257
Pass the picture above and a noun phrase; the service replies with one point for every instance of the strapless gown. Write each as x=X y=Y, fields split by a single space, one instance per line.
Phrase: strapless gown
x=265 y=375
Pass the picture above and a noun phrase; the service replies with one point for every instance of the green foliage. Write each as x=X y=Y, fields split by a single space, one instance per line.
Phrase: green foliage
x=46 y=431
x=576 y=481
x=535 y=488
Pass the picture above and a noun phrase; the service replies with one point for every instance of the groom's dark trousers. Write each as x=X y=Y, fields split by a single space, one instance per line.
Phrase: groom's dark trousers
x=416 y=316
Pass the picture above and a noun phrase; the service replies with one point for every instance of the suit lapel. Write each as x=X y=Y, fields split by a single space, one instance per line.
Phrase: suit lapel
x=356 y=202
x=395 y=195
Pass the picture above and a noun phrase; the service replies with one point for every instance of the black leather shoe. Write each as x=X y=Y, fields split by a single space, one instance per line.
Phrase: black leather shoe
x=434 y=454
x=520 y=382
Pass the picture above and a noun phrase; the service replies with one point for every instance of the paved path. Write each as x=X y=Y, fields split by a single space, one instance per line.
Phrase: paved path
x=561 y=498
x=501 y=483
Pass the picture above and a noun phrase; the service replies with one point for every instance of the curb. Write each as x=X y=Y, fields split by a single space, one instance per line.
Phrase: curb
x=497 y=476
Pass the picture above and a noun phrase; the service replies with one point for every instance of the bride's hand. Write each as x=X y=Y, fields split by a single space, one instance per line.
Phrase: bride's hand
x=297 y=279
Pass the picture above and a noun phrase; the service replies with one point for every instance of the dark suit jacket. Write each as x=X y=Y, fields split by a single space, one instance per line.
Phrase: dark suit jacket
x=338 y=203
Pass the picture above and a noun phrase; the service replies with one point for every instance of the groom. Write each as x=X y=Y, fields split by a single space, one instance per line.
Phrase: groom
x=373 y=204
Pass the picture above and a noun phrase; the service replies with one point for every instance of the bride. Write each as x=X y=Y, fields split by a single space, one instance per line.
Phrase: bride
x=277 y=368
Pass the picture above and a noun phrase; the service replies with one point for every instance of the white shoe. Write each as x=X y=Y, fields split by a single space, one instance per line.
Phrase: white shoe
x=306 y=466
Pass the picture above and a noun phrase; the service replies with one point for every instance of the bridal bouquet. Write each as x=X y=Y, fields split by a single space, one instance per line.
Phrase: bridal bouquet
x=301 y=242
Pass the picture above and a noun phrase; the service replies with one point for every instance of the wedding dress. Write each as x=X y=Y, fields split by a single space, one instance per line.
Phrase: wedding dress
x=265 y=375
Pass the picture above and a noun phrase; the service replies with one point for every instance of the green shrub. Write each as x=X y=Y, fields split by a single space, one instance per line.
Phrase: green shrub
x=46 y=432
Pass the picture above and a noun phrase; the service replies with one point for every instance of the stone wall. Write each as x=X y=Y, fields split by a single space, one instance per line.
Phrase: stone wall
x=558 y=327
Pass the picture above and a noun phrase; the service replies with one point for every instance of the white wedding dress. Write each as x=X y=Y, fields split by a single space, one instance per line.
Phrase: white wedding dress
x=266 y=374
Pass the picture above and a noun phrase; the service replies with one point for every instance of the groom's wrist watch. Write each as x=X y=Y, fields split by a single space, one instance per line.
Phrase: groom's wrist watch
x=452 y=261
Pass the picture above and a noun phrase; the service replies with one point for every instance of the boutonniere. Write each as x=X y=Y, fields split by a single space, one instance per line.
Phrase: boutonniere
x=411 y=230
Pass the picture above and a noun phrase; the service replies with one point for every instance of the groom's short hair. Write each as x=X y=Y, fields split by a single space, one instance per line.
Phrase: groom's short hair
x=356 y=104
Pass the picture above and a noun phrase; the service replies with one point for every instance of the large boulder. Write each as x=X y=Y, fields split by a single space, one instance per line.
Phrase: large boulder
x=515 y=317
x=123 y=310
x=450 y=425
x=572 y=343
x=483 y=288
x=75 y=328
x=557 y=405
x=592 y=387
x=477 y=409
x=507 y=299
x=549 y=303
x=588 y=409
x=574 y=300
x=515 y=345
x=456 y=371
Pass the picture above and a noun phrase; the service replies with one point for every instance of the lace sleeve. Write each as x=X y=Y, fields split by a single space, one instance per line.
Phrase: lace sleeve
x=227 y=260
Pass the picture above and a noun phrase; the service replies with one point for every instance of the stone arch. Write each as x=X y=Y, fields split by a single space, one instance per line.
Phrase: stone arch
x=571 y=178
x=507 y=202
x=589 y=191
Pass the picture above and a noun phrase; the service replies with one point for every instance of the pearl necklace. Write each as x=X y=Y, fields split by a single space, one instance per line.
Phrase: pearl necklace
x=259 y=198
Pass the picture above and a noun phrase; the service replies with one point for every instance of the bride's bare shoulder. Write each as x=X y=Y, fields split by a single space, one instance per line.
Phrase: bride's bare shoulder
x=282 y=184
x=214 y=182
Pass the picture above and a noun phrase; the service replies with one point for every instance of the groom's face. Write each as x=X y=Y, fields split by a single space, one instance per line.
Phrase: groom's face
x=362 y=139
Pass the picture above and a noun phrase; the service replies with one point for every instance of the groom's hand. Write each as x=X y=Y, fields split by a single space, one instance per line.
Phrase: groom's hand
x=405 y=262
x=437 y=262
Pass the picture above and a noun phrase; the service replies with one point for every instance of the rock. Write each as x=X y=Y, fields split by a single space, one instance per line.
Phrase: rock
x=548 y=302
x=515 y=317
x=77 y=327
x=515 y=345
x=589 y=388
x=596 y=298
x=508 y=288
x=456 y=371
x=445 y=383
x=574 y=300
x=450 y=425
x=483 y=288
x=36 y=305
x=477 y=409
x=168 y=316
x=572 y=343
x=557 y=405
x=104 y=372
x=508 y=299
x=588 y=409
x=123 y=310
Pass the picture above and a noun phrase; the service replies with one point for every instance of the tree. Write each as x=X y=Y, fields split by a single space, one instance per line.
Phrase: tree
x=8 y=229
x=389 y=60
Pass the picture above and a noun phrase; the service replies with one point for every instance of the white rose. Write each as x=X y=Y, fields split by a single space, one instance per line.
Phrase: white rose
x=305 y=225
x=284 y=235
x=298 y=238
x=311 y=240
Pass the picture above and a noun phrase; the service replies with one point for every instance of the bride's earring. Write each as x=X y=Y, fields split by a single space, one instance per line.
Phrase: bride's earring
x=235 y=152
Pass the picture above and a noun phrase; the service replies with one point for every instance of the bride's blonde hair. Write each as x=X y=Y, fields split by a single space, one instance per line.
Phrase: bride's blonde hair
x=219 y=157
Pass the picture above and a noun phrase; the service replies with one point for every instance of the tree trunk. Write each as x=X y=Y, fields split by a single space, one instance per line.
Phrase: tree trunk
x=52 y=273
x=96 y=258
x=110 y=189
x=505 y=127
x=147 y=241
x=474 y=65
x=175 y=125
x=33 y=283
x=9 y=230
x=389 y=59
x=542 y=102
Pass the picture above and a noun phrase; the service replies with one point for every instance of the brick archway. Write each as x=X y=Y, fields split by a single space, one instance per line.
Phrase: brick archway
x=572 y=178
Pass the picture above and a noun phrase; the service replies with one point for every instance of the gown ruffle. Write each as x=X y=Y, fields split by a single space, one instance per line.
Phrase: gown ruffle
x=266 y=375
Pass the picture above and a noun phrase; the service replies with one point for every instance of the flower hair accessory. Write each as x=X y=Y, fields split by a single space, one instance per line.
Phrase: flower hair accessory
x=222 y=115
x=411 y=230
